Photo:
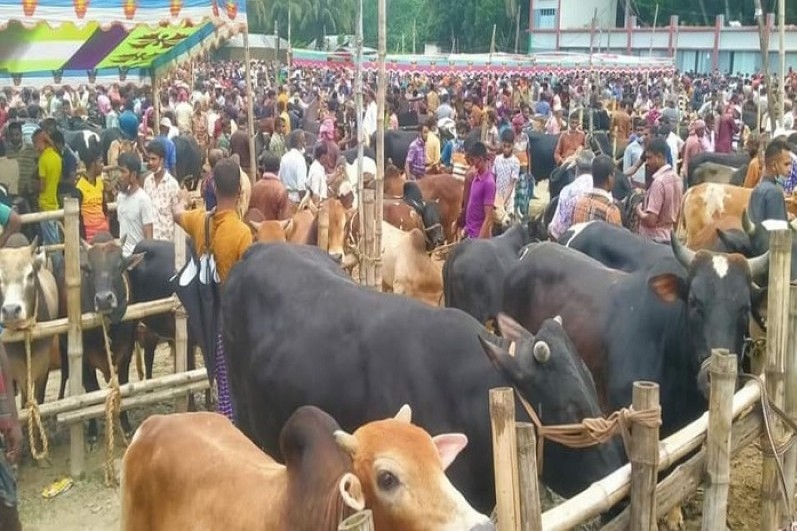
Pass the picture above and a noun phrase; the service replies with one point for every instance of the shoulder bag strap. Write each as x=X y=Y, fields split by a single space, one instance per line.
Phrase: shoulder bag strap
x=208 y=218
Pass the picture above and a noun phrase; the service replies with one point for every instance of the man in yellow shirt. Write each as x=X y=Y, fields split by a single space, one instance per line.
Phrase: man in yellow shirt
x=49 y=177
x=229 y=239
x=92 y=196
x=432 y=148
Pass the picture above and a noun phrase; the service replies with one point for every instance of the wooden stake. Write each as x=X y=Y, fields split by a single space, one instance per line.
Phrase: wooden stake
x=529 y=489
x=74 y=334
x=772 y=509
x=644 y=460
x=180 y=321
x=362 y=521
x=790 y=458
x=381 y=88
x=250 y=109
x=718 y=440
x=502 y=418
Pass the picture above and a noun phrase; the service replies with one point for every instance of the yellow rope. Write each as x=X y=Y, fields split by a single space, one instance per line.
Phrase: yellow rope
x=34 y=415
x=113 y=403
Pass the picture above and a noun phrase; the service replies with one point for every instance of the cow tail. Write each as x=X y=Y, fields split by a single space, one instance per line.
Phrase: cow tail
x=447 y=287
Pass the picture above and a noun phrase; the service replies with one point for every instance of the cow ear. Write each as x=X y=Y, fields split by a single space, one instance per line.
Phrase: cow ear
x=449 y=445
x=503 y=361
x=133 y=260
x=351 y=490
x=39 y=259
x=346 y=441
x=668 y=287
x=511 y=329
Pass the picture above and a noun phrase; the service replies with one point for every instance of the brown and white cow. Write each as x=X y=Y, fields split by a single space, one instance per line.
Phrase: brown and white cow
x=28 y=294
x=235 y=486
x=407 y=269
x=707 y=202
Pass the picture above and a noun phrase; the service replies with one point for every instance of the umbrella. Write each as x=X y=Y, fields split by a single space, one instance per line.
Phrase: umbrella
x=198 y=287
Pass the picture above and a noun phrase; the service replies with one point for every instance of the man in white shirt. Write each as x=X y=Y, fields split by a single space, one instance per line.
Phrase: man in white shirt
x=293 y=167
x=133 y=205
x=163 y=190
x=369 y=122
x=317 y=176
x=184 y=114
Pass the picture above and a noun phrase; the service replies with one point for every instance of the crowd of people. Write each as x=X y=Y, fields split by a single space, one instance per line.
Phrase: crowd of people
x=643 y=115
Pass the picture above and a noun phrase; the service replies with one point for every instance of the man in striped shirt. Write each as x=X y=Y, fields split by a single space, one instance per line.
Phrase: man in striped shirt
x=415 y=166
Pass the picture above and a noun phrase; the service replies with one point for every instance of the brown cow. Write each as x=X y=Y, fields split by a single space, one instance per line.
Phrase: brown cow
x=446 y=191
x=235 y=486
x=407 y=269
x=28 y=294
x=270 y=197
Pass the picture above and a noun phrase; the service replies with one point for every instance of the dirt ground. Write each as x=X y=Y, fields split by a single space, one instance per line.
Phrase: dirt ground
x=91 y=506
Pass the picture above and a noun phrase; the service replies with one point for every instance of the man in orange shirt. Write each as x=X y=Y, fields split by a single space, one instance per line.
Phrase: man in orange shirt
x=569 y=141
x=229 y=239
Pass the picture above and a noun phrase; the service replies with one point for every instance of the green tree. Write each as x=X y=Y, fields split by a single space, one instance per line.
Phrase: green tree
x=310 y=19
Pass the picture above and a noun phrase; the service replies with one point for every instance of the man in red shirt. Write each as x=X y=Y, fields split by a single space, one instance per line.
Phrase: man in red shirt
x=663 y=198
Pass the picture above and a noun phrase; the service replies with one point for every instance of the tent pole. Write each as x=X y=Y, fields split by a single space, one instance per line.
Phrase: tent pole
x=250 y=109
x=156 y=102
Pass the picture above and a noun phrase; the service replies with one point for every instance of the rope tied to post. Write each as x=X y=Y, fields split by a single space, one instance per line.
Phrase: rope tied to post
x=35 y=426
x=590 y=431
x=113 y=406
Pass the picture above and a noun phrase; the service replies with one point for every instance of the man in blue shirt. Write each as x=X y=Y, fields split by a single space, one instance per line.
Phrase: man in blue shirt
x=168 y=146
x=128 y=121
x=9 y=221
x=767 y=200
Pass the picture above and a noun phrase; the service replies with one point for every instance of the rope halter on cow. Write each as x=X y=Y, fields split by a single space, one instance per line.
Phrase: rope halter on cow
x=113 y=406
x=35 y=426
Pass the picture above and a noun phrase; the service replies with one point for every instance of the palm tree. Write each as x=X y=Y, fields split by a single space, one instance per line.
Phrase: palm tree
x=327 y=17
x=258 y=15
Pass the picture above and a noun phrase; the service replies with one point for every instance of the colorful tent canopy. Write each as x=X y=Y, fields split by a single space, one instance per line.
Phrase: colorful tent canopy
x=70 y=42
x=499 y=63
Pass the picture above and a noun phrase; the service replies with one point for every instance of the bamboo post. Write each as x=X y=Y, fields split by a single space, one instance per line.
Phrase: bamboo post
x=644 y=460
x=156 y=102
x=790 y=458
x=529 y=491
x=772 y=510
x=180 y=322
x=381 y=88
x=502 y=418
x=361 y=521
x=358 y=105
x=718 y=439
x=74 y=334
x=250 y=109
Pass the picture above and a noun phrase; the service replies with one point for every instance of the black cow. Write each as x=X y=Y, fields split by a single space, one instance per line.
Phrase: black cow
x=658 y=323
x=389 y=350
x=397 y=145
x=541 y=149
x=697 y=173
x=473 y=274
x=189 y=159
x=429 y=212
x=150 y=280
x=615 y=247
x=81 y=142
x=351 y=154
x=103 y=289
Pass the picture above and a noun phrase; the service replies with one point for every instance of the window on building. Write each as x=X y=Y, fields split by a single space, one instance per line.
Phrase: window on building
x=545 y=18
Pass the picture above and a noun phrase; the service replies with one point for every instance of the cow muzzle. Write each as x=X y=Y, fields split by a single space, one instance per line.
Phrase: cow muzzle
x=703 y=378
x=11 y=313
x=105 y=301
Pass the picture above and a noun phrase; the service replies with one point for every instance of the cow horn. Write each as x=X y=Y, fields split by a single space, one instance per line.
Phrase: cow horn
x=759 y=266
x=255 y=224
x=684 y=255
x=86 y=245
x=542 y=352
x=558 y=319
x=404 y=414
x=747 y=224
x=346 y=441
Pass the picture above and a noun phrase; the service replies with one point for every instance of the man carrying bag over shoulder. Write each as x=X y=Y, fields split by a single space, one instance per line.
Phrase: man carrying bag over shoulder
x=220 y=239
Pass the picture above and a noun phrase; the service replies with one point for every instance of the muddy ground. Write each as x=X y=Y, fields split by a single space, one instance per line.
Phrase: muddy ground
x=91 y=506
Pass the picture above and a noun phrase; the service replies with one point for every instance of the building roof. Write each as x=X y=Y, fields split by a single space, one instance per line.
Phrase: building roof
x=257 y=40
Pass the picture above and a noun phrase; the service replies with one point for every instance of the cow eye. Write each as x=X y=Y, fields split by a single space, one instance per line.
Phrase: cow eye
x=387 y=481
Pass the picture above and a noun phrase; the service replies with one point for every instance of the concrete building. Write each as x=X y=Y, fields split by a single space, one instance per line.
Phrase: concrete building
x=566 y=25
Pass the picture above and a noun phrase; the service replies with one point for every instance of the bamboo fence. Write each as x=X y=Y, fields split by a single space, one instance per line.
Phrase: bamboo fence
x=79 y=405
x=702 y=450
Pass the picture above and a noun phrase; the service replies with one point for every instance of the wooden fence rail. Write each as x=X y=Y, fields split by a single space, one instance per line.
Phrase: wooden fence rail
x=79 y=405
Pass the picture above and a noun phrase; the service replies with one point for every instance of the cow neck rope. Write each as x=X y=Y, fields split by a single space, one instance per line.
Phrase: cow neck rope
x=113 y=404
x=592 y=431
x=767 y=409
x=35 y=426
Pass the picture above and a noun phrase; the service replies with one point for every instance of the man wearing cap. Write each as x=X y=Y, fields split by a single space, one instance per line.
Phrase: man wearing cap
x=168 y=146
x=563 y=217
